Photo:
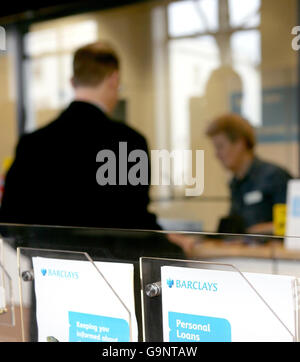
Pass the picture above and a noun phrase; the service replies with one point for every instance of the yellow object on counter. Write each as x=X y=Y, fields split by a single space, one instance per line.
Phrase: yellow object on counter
x=279 y=219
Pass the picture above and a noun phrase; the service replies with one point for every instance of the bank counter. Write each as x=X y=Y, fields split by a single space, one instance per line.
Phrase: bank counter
x=89 y=284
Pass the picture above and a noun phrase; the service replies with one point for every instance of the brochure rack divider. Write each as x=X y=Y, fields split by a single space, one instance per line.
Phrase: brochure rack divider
x=167 y=292
x=28 y=278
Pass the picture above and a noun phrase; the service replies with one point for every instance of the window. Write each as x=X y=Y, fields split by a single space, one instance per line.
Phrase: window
x=206 y=35
x=49 y=65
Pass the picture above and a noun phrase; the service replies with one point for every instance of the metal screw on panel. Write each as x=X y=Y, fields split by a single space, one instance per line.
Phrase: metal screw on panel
x=153 y=289
x=27 y=275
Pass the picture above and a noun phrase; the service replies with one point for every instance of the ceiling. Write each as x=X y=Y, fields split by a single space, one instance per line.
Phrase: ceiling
x=30 y=11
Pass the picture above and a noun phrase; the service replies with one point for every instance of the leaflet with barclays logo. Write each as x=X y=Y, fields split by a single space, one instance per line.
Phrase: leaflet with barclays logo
x=73 y=302
x=202 y=305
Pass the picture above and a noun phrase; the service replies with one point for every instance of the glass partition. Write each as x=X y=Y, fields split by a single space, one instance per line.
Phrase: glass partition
x=37 y=256
x=202 y=58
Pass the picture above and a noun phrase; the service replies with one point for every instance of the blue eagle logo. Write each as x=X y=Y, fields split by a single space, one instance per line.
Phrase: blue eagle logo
x=44 y=271
x=170 y=283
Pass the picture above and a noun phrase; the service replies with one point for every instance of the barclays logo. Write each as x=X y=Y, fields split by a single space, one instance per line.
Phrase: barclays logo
x=44 y=271
x=170 y=283
x=59 y=273
x=193 y=285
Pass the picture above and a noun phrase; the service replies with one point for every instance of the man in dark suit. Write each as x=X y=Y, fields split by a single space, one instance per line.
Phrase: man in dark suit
x=53 y=178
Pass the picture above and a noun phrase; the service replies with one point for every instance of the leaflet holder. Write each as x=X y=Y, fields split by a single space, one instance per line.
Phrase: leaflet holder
x=69 y=301
x=187 y=300
x=7 y=312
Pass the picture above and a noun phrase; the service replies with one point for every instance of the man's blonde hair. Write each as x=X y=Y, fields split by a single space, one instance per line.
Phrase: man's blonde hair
x=93 y=62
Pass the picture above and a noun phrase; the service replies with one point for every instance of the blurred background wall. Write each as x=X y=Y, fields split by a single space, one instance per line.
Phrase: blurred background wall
x=182 y=63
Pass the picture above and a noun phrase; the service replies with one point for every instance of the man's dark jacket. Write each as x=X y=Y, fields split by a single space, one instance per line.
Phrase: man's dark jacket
x=53 y=178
